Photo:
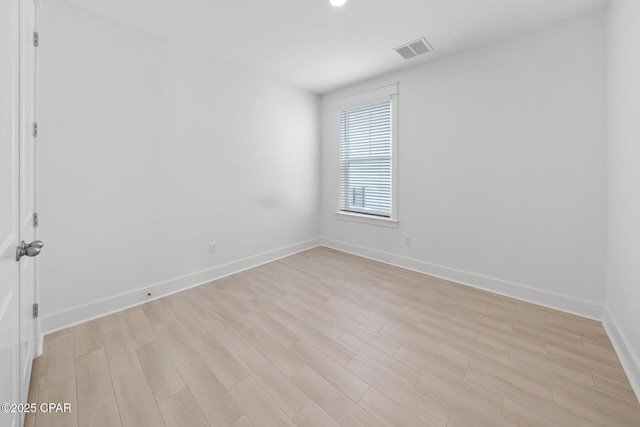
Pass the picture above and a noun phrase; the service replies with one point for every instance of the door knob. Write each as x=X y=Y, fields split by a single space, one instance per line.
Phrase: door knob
x=30 y=250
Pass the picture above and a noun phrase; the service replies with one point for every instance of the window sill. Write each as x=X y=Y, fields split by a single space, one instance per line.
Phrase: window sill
x=367 y=219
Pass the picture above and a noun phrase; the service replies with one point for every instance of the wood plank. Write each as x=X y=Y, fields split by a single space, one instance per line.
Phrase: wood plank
x=386 y=410
x=344 y=410
x=314 y=416
x=331 y=371
x=522 y=416
x=223 y=364
x=597 y=405
x=140 y=330
x=93 y=382
x=620 y=389
x=331 y=348
x=243 y=422
x=274 y=328
x=215 y=402
x=506 y=381
x=282 y=358
x=162 y=376
x=156 y=312
x=177 y=341
x=181 y=410
x=428 y=411
x=394 y=367
x=86 y=338
x=110 y=322
x=433 y=361
x=59 y=360
x=226 y=336
x=119 y=350
x=256 y=404
x=135 y=400
x=108 y=416
x=472 y=403
x=187 y=314
x=277 y=385
x=62 y=392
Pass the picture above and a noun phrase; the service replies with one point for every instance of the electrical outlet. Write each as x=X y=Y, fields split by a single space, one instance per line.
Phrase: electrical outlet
x=408 y=240
x=212 y=248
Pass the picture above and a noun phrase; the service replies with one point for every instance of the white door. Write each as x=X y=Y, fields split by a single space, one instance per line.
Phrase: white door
x=27 y=190
x=17 y=203
x=9 y=209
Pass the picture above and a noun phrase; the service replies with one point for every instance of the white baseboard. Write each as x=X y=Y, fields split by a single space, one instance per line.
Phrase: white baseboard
x=564 y=303
x=96 y=309
x=629 y=359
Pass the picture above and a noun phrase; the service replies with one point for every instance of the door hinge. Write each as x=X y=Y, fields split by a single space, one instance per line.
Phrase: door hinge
x=35 y=220
x=36 y=38
x=35 y=129
x=35 y=311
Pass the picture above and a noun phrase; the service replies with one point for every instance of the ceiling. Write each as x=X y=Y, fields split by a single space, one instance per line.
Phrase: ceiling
x=318 y=47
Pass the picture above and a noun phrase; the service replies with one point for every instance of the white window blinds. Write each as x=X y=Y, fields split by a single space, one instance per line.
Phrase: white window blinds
x=365 y=159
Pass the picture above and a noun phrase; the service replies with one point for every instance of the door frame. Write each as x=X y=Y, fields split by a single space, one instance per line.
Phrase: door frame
x=28 y=47
x=27 y=116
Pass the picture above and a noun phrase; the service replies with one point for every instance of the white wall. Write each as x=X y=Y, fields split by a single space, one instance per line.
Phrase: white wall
x=623 y=281
x=502 y=168
x=148 y=153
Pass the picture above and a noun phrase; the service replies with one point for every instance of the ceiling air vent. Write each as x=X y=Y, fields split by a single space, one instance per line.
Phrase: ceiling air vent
x=414 y=48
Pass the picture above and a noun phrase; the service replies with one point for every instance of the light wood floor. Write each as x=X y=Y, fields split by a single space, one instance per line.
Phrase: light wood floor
x=324 y=338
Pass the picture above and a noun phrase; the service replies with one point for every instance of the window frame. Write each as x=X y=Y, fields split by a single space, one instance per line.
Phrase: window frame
x=358 y=100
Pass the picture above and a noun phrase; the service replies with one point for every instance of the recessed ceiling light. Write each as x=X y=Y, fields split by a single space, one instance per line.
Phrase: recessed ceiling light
x=337 y=3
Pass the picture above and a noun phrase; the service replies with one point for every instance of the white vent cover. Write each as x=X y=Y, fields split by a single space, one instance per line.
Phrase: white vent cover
x=414 y=48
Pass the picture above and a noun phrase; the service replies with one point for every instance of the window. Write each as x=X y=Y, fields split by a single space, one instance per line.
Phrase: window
x=365 y=160
x=367 y=156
